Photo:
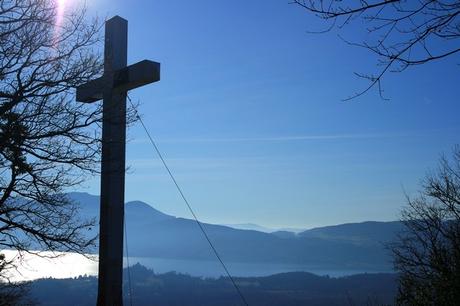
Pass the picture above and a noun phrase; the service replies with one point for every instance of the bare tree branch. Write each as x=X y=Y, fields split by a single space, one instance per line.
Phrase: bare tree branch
x=48 y=143
x=400 y=33
x=427 y=253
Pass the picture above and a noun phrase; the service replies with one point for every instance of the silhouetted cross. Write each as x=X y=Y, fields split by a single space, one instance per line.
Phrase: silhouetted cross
x=112 y=87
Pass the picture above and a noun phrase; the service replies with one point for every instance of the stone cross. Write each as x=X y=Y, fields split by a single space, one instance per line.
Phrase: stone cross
x=112 y=88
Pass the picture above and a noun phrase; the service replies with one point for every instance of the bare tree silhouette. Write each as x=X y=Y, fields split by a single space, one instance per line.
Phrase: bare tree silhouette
x=47 y=141
x=399 y=33
x=13 y=293
x=427 y=253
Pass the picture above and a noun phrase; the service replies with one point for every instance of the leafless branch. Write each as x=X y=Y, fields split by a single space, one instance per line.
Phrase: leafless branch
x=401 y=33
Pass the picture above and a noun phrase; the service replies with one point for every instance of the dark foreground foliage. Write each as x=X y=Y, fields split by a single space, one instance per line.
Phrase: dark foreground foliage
x=427 y=253
x=15 y=294
x=297 y=288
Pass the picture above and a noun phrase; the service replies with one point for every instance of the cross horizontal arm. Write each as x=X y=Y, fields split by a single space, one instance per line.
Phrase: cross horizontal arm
x=91 y=91
x=125 y=79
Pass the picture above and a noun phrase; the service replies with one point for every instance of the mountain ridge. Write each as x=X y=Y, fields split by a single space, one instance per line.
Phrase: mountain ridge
x=155 y=234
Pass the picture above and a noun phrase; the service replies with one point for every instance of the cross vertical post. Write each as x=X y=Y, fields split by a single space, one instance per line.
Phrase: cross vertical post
x=112 y=168
x=112 y=88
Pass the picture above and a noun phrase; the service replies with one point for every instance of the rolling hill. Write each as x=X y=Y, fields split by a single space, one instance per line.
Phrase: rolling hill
x=155 y=234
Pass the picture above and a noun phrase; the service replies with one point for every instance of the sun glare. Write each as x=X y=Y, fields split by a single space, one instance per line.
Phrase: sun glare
x=61 y=4
x=60 y=9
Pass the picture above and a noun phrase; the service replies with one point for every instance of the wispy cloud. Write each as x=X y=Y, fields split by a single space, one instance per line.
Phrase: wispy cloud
x=311 y=137
x=271 y=138
x=181 y=163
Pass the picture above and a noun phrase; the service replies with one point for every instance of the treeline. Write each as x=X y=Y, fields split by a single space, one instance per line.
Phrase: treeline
x=296 y=288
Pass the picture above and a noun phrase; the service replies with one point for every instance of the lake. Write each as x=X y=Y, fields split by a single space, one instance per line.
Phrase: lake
x=73 y=265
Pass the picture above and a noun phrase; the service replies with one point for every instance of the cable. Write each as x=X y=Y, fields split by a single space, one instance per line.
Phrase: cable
x=187 y=203
x=127 y=263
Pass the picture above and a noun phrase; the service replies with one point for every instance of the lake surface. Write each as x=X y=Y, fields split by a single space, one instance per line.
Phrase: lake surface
x=73 y=265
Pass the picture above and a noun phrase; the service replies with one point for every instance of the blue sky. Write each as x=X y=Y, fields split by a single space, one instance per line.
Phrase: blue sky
x=248 y=114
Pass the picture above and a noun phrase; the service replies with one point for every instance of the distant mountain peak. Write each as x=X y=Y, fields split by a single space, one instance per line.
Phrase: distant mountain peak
x=250 y=226
x=89 y=205
x=139 y=207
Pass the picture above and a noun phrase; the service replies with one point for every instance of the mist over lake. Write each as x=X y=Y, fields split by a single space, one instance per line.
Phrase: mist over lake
x=166 y=243
x=70 y=265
